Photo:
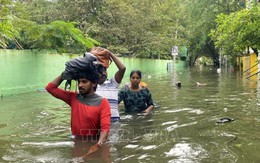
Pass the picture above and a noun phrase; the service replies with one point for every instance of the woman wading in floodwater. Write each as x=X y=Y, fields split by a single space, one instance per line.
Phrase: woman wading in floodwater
x=137 y=99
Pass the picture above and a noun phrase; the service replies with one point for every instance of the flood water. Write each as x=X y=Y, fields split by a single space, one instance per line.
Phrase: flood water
x=35 y=127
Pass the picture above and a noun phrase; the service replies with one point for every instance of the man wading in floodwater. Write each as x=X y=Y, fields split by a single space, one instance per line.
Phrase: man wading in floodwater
x=90 y=113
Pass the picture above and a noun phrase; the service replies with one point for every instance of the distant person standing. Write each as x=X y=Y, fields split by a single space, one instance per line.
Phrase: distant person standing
x=136 y=98
x=108 y=88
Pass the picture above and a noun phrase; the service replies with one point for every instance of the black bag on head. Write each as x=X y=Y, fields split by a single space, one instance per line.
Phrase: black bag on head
x=77 y=65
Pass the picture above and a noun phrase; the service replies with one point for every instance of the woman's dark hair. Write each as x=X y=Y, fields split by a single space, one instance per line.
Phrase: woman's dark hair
x=138 y=72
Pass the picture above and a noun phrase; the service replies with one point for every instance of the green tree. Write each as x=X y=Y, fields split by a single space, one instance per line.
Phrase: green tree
x=58 y=35
x=238 y=31
x=147 y=28
x=17 y=27
x=7 y=31
x=200 y=19
x=140 y=28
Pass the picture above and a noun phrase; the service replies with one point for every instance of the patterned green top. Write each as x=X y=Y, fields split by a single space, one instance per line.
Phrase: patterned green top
x=135 y=101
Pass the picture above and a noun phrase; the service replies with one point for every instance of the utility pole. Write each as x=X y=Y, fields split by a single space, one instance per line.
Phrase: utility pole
x=175 y=47
x=220 y=60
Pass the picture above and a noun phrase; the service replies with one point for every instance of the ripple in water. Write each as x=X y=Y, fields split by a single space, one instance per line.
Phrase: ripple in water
x=149 y=147
x=131 y=146
x=177 y=110
x=37 y=152
x=50 y=144
x=185 y=152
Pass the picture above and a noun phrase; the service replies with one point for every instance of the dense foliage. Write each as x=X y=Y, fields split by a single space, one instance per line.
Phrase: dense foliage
x=7 y=31
x=134 y=28
x=238 y=31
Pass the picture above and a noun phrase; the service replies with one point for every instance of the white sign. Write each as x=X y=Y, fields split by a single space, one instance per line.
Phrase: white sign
x=175 y=50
